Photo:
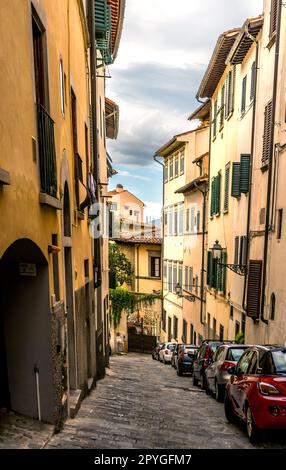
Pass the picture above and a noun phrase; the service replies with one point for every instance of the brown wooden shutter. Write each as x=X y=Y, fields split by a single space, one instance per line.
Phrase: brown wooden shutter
x=273 y=17
x=254 y=288
x=266 y=151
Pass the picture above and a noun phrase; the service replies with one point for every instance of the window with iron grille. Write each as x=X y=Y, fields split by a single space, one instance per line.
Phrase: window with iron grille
x=266 y=150
x=221 y=332
x=279 y=224
x=185 y=331
x=192 y=334
x=169 y=328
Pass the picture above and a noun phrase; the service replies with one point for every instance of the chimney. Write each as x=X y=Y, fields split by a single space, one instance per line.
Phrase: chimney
x=119 y=188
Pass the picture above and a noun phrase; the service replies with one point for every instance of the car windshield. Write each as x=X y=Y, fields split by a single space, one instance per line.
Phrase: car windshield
x=214 y=347
x=170 y=347
x=234 y=354
x=279 y=358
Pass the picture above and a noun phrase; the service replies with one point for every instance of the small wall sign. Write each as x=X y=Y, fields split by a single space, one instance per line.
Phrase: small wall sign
x=28 y=269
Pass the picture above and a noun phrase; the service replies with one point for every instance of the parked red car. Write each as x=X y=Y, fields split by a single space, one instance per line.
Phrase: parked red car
x=256 y=391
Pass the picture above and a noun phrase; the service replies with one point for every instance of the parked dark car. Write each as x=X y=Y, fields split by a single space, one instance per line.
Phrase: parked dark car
x=204 y=359
x=174 y=360
x=256 y=391
x=186 y=356
x=217 y=375
x=155 y=351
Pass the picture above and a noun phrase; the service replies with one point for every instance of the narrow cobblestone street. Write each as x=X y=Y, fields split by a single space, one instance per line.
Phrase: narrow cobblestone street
x=143 y=404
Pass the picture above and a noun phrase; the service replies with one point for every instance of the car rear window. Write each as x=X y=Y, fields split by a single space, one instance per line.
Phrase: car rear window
x=279 y=358
x=234 y=354
x=190 y=350
x=170 y=347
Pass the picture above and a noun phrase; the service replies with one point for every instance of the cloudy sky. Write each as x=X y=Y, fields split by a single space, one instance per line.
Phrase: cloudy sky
x=164 y=51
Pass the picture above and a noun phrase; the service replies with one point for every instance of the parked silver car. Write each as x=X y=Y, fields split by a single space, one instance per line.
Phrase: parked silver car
x=217 y=375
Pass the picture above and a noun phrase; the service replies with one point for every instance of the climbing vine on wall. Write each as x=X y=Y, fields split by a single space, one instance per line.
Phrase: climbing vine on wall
x=123 y=300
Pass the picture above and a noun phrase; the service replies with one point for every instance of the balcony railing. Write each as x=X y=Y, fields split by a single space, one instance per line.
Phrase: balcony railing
x=47 y=152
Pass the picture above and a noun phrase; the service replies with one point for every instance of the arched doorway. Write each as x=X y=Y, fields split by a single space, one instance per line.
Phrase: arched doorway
x=69 y=298
x=25 y=331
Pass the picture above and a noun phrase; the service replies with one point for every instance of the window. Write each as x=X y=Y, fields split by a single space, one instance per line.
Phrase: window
x=195 y=338
x=164 y=315
x=175 y=220
x=169 y=328
x=196 y=284
x=237 y=328
x=187 y=225
x=192 y=227
x=181 y=219
x=86 y=153
x=272 y=306
x=252 y=369
x=130 y=212
x=222 y=97
x=266 y=150
x=244 y=363
x=170 y=215
x=215 y=119
x=182 y=163
x=253 y=81
x=198 y=221
x=214 y=328
x=215 y=195
x=241 y=176
x=279 y=224
x=226 y=188
x=40 y=68
x=186 y=284
x=175 y=327
x=62 y=88
x=171 y=168
x=175 y=277
x=165 y=273
x=273 y=17
x=113 y=206
x=185 y=328
x=180 y=280
x=192 y=334
x=176 y=166
x=230 y=88
x=243 y=95
x=231 y=312
x=236 y=250
x=170 y=281
x=155 y=266
x=221 y=332
x=254 y=288
x=190 y=279
x=166 y=172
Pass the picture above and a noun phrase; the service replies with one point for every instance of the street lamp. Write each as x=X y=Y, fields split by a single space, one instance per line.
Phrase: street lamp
x=217 y=250
x=179 y=293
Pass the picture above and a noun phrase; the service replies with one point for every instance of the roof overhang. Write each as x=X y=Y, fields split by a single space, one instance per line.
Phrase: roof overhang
x=193 y=185
x=217 y=64
x=173 y=145
x=112 y=118
x=202 y=112
x=117 y=18
x=244 y=40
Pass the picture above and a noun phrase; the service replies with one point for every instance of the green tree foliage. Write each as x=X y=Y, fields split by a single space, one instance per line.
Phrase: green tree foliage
x=120 y=265
x=239 y=338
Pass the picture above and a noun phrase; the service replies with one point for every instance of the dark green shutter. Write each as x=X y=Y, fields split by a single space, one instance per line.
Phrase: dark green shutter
x=214 y=273
x=235 y=188
x=213 y=197
x=226 y=188
x=244 y=173
x=254 y=288
x=217 y=195
x=218 y=273
x=223 y=272
x=209 y=268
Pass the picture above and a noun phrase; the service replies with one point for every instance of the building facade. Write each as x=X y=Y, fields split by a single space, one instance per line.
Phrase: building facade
x=50 y=315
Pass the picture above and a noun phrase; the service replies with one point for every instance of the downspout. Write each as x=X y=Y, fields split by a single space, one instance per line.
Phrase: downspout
x=155 y=157
x=251 y=169
x=271 y=144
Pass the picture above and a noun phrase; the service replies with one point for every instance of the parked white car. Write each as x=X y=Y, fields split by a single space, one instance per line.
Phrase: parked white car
x=165 y=354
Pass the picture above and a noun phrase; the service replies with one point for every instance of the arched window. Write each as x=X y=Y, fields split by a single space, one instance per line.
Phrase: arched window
x=272 y=306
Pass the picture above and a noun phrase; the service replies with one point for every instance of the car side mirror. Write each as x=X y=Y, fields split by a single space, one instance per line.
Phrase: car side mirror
x=231 y=370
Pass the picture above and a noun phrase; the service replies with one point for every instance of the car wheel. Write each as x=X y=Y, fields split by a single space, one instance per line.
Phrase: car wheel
x=228 y=410
x=179 y=372
x=253 y=432
x=195 y=381
x=219 y=392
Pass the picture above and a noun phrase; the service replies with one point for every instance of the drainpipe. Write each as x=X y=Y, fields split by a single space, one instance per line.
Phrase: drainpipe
x=270 y=167
x=97 y=241
x=251 y=167
x=37 y=372
x=155 y=157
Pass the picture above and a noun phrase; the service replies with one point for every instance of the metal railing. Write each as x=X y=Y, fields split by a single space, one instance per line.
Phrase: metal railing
x=47 y=152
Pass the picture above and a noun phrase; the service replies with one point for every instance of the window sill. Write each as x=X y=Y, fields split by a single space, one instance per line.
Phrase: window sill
x=47 y=200
x=5 y=177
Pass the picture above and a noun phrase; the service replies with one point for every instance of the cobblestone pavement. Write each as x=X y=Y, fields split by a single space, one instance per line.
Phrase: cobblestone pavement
x=142 y=403
x=19 y=432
